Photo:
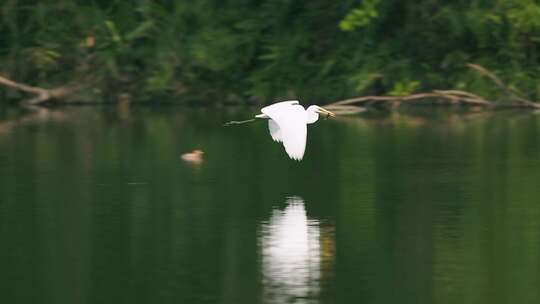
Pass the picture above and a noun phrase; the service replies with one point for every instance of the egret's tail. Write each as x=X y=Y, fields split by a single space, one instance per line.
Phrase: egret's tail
x=238 y=122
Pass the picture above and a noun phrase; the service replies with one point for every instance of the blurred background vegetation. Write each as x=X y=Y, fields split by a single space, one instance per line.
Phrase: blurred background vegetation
x=214 y=51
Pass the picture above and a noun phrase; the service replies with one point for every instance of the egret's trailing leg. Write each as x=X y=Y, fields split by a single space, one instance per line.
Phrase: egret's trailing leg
x=238 y=122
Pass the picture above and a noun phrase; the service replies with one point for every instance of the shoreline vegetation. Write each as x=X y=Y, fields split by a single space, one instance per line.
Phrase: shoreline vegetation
x=512 y=99
x=359 y=54
x=347 y=106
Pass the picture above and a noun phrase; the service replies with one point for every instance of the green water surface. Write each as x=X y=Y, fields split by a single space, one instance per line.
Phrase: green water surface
x=97 y=206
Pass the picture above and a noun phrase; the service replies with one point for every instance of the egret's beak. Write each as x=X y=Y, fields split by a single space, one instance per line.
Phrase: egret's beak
x=325 y=111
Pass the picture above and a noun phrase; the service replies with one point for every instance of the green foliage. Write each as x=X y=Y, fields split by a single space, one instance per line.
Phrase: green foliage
x=315 y=50
x=405 y=87
x=364 y=80
x=360 y=17
x=43 y=58
x=524 y=15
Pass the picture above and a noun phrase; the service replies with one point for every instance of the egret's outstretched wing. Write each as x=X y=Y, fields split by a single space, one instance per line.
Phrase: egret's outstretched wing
x=286 y=102
x=273 y=127
x=274 y=130
x=290 y=118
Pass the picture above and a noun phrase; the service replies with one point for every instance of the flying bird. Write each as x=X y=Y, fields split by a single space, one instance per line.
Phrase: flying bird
x=287 y=122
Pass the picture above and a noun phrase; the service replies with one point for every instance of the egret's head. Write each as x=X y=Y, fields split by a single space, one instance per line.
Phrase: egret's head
x=314 y=111
x=324 y=111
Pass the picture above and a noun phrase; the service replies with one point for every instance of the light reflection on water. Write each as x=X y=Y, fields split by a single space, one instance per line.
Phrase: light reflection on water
x=292 y=255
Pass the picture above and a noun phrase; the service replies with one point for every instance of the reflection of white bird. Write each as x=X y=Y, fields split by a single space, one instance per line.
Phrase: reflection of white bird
x=287 y=122
x=291 y=254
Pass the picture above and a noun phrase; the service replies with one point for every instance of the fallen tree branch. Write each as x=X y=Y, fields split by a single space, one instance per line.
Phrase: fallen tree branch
x=21 y=87
x=450 y=96
x=42 y=95
x=485 y=72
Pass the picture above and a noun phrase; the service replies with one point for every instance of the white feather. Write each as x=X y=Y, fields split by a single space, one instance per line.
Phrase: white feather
x=290 y=119
x=274 y=130
x=273 y=127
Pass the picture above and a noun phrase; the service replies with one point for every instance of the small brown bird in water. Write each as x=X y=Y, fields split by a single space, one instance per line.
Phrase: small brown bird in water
x=194 y=157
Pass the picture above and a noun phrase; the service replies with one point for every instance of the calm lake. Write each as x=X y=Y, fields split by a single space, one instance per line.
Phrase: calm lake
x=96 y=206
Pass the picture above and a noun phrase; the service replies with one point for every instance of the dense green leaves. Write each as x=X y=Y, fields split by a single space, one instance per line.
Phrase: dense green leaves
x=360 y=17
x=237 y=50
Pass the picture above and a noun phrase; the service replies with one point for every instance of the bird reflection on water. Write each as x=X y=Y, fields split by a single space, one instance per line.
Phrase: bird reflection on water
x=292 y=255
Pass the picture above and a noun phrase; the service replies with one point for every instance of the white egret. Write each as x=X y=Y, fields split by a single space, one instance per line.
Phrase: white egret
x=287 y=122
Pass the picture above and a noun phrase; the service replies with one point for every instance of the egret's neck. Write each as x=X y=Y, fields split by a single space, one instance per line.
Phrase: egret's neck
x=311 y=116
